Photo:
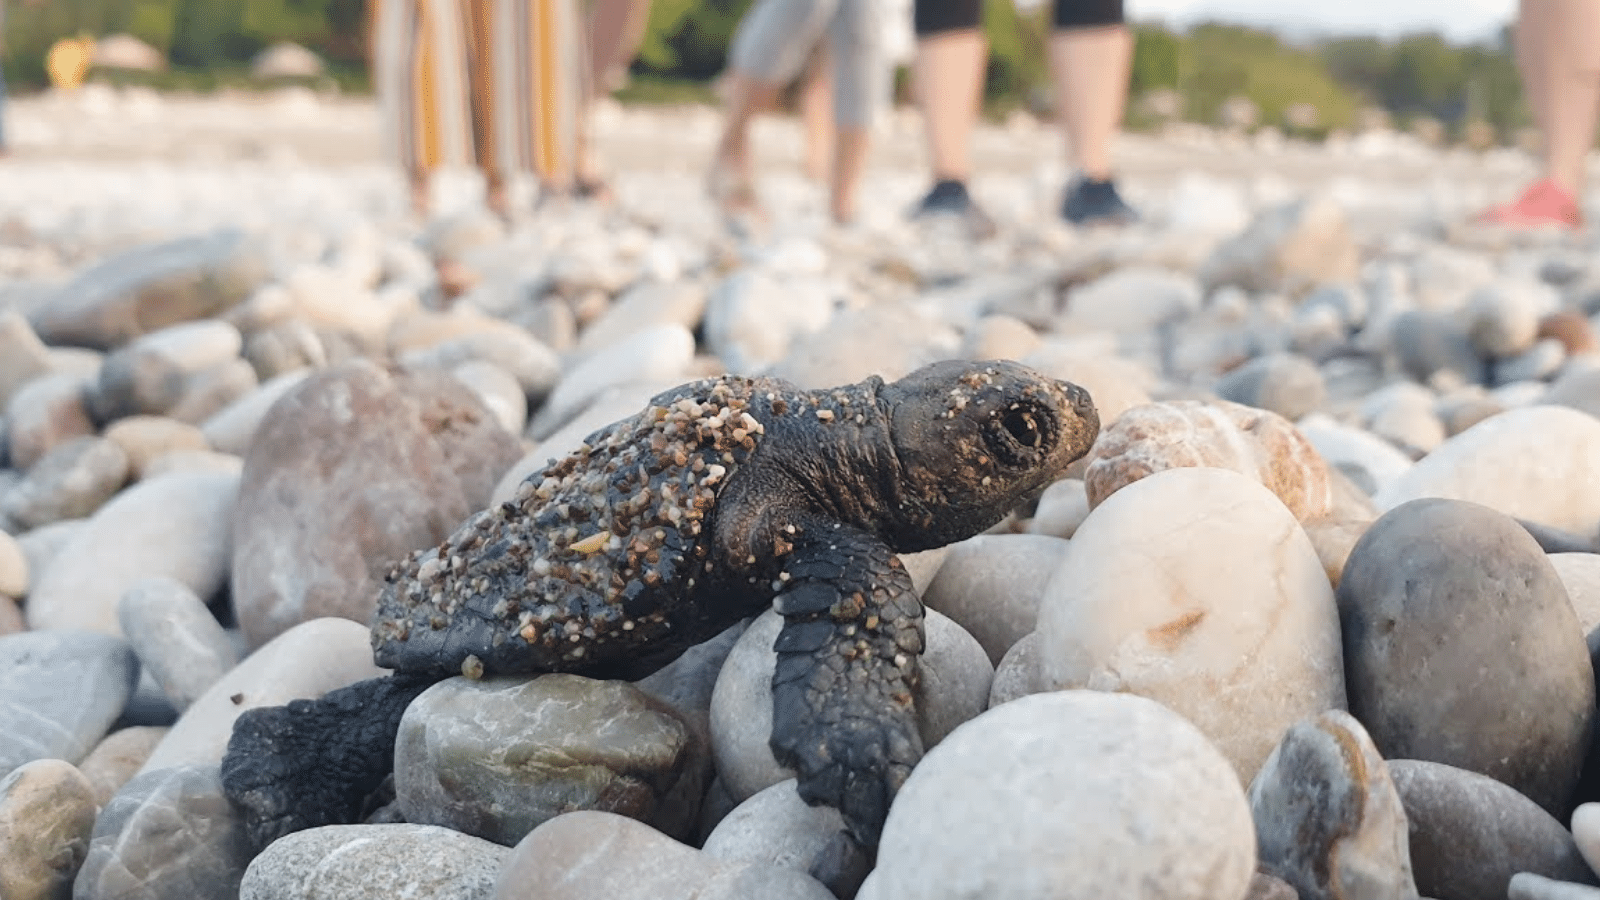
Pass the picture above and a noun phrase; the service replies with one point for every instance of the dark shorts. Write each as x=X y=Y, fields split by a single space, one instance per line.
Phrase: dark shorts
x=935 y=16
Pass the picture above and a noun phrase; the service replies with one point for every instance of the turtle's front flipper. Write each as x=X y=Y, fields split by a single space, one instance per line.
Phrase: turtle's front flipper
x=843 y=713
x=315 y=762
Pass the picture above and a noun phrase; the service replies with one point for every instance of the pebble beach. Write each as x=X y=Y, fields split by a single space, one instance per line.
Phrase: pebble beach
x=1316 y=617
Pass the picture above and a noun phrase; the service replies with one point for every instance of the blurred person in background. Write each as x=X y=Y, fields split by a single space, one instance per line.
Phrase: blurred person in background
x=5 y=149
x=844 y=50
x=1558 y=56
x=1091 y=52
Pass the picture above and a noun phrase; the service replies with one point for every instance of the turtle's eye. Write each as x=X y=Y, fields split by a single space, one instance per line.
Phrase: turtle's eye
x=1023 y=428
x=1021 y=434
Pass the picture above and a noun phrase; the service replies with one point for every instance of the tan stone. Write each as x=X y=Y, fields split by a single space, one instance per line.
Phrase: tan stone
x=1219 y=435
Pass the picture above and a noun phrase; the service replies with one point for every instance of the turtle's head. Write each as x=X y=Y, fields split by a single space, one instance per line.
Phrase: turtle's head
x=975 y=439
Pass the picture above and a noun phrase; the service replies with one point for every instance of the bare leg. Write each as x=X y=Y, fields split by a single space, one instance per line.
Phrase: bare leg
x=948 y=73
x=849 y=161
x=816 y=112
x=420 y=201
x=1561 y=65
x=731 y=169
x=1090 y=67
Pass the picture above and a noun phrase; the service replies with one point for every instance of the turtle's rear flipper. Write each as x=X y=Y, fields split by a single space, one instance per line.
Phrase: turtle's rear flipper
x=315 y=762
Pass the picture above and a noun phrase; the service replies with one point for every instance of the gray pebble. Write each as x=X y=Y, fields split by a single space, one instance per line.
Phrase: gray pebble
x=375 y=862
x=178 y=641
x=168 y=833
x=70 y=482
x=1285 y=383
x=991 y=586
x=1471 y=833
x=776 y=827
x=59 y=693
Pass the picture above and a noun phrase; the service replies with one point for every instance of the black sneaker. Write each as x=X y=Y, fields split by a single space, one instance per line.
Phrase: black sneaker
x=1090 y=202
x=950 y=198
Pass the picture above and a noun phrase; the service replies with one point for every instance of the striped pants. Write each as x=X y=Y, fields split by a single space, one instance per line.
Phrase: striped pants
x=495 y=84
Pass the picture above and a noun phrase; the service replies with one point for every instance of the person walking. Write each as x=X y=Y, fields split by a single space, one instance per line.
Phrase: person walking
x=493 y=84
x=1091 y=52
x=774 y=44
x=1558 y=57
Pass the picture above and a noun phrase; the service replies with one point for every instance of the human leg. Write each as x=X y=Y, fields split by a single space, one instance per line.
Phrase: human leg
x=861 y=85
x=1091 y=51
x=816 y=114
x=947 y=77
x=1559 y=60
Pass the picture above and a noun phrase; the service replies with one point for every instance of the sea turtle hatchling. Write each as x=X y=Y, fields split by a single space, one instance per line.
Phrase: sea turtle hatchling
x=721 y=497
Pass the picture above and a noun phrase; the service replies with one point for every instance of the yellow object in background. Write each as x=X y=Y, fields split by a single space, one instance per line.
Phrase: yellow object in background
x=67 y=63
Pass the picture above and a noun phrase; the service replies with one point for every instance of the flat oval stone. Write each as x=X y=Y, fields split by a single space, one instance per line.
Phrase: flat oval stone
x=46 y=814
x=70 y=482
x=118 y=756
x=1431 y=597
x=775 y=827
x=178 y=641
x=599 y=854
x=350 y=862
x=168 y=833
x=991 y=585
x=1470 y=833
x=1067 y=795
x=498 y=757
x=1196 y=587
x=59 y=693
x=1328 y=818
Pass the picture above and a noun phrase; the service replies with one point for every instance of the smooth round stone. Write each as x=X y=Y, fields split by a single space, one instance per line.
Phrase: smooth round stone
x=1580 y=575
x=46 y=814
x=1132 y=300
x=1577 y=389
x=1018 y=672
x=46 y=412
x=889 y=339
x=117 y=757
x=1586 y=832
x=954 y=687
x=374 y=862
x=1503 y=318
x=70 y=482
x=150 y=374
x=23 y=357
x=1470 y=833
x=1333 y=540
x=179 y=526
x=281 y=347
x=1328 y=818
x=1534 y=364
x=1403 y=414
x=752 y=317
x=1427 y=343
x=999 y=336
x=1458 y=417
x=42 y=545
x=498 y=757
x=1290 y=246
x=1534 y=463
x=642 y=306
x=1176 y=580
x=208 y=392
x=1528 y=886
x=664 y=351
x=1571 y=329
x=588 y=854
x=178 y=641
x=533 y=367
x=991 y=585
x=1284 y=383
x=167 y=833
x=1071 y=794
x=1431 y=597
x=233 y=428
x=498 y=391
x=143 y=438
x=13 y=568
x=1061 y=509
x=1191 y=434
x=303 y=663
x=775 y=827
x=59 y=693
x=1343 y=446
x=194 y=462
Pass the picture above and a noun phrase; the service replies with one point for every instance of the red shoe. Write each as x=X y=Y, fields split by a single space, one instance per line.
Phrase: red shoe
x=1544 y=203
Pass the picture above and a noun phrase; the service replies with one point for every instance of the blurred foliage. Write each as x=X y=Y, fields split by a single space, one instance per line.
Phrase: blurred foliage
x=210 y=42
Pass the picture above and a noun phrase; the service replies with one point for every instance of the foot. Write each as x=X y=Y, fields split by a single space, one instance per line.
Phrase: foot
x=1543 y=204
x=1096 y=202
x=735 y=197
x=950 y=198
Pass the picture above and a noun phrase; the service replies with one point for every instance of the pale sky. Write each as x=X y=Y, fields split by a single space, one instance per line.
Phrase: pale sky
x=1461 y=20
